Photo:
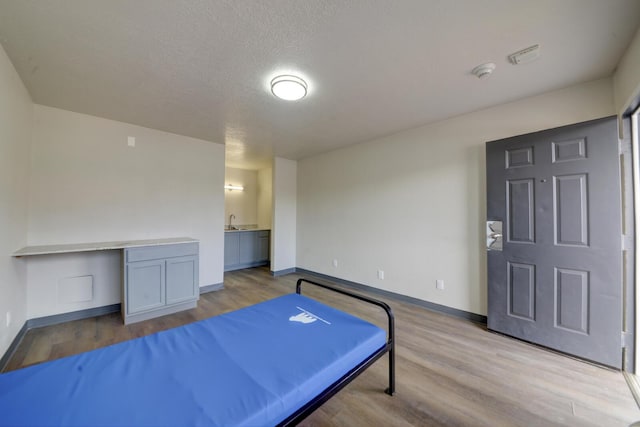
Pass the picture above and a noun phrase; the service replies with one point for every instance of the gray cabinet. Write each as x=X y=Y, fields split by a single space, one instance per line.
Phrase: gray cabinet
x=244 y=249
x=147 y=284
x=159 y=280
x=248 y=245
x=231 y=250
x=181 y=278
x=263 y=245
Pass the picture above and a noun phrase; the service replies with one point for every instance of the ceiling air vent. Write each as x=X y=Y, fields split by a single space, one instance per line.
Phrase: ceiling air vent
x=525 y=55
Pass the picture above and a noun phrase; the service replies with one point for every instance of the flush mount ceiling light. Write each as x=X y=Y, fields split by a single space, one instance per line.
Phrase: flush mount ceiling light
x=232 y=187
x=289 y=88
x=484 y=70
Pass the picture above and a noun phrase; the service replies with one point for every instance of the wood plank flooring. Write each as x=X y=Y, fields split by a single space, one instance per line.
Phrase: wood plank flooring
x=450 y=372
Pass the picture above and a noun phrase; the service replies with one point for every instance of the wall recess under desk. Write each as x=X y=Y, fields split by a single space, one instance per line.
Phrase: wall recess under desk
x=75 y=289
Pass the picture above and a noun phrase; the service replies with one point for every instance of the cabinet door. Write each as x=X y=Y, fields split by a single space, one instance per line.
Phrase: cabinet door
x=248 y=247
x=182 y=279
x=263 y=246
x=145 y=285
x=231 y=249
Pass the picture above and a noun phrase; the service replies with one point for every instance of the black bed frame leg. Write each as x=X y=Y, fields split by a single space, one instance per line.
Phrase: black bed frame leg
x=392 y=372
x=391 y=346
x=392 y=358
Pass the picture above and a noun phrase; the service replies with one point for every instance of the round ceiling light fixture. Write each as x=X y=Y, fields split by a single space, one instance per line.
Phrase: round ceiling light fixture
x=484 y=70
x=288 y=87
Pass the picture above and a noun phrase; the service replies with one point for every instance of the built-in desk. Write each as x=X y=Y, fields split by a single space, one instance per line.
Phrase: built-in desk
x=98 y=246
x=159 y=276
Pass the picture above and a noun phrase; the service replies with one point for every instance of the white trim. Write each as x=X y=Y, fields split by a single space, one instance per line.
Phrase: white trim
x=635 y=149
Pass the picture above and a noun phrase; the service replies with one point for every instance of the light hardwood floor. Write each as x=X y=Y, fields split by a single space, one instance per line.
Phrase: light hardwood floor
x=450 y=372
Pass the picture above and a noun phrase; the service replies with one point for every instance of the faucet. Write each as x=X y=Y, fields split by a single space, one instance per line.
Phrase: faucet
x=232 y=216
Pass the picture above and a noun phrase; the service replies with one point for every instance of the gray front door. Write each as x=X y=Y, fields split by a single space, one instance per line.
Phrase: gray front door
x=557 y=281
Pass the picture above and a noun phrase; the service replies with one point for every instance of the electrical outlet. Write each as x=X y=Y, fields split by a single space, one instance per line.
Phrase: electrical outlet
x=8 y=318
x=335 y=263
x=381 y=274
x=440 y=284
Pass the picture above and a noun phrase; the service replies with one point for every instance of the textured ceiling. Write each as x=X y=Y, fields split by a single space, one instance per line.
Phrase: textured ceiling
x=201 y=67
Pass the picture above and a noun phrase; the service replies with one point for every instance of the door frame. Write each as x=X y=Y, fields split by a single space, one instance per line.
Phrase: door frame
x=629 y=178
x=630 y=128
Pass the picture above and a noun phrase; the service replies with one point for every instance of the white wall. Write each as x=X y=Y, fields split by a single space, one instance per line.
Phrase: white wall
x=242 y=204
x=265 y=197
x=88 y=185
x=283 y=234
x=16 y=112
x=413 y=204
x=626 y=79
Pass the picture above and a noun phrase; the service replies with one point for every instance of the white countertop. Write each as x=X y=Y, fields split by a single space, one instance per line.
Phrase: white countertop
x=97 y=246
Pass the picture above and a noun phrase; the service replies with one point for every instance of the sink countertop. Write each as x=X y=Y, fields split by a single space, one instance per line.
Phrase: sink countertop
x=246 y=229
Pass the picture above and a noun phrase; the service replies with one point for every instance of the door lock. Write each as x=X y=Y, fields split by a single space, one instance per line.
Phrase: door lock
x=494 y=235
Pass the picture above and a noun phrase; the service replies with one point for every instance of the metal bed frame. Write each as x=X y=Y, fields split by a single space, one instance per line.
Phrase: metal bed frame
x=389 y=347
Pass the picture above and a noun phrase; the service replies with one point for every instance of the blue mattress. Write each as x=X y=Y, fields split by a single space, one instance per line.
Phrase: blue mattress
x=251 y=367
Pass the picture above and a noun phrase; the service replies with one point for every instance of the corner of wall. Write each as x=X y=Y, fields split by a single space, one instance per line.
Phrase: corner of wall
x=283 y=234
x=16 y=124
x=626 y=78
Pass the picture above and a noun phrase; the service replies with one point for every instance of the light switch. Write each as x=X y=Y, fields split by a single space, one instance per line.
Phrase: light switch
x=131 y=140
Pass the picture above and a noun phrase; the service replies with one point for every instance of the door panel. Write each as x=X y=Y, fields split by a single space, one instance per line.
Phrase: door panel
x=570 y=210
x=572 y=297
x=558 y=280
x=521 y=287
x=564 y=151
x=519 y=157
x=520 y=211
